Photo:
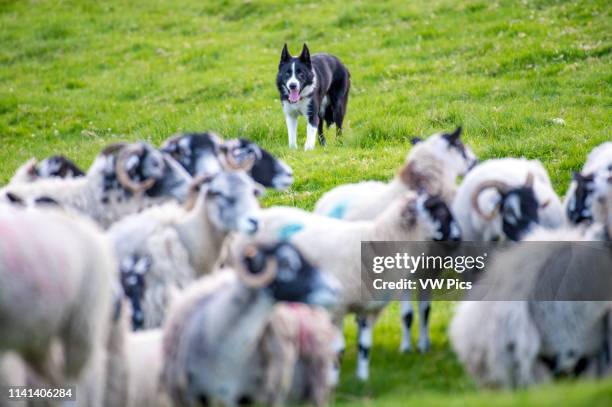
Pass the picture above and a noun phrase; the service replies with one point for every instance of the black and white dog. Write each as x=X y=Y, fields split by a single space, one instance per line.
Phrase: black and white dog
x=317 y=88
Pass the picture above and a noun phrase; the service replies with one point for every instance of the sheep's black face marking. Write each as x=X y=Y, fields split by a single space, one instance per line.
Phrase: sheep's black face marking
x=196 y=152
x=58 y=166
x=448 y=228
x=133 y=271
x=267 y=169
x=296 y=280
x=15 y=199
x=579 y=206
x=46 y=200
x=519 y=211
x=294 y=75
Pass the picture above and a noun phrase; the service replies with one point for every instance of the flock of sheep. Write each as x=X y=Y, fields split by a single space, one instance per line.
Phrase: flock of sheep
x=155 y=278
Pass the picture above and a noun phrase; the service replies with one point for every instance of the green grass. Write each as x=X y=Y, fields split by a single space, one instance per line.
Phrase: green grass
x=77 y=75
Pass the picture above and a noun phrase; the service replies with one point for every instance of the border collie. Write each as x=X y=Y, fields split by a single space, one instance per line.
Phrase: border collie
x=317 y=88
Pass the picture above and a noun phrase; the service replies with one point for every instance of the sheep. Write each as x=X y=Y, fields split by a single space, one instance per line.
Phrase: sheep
x=54 y=292
x=293 y=334
x=529 y=341
x=432 y=166
x=206 y=153
x=54 y=166
x=212 y=341
x=579 y=197
x=166 y=247
x=123 y=179
x=502 y=199
x=335 y=246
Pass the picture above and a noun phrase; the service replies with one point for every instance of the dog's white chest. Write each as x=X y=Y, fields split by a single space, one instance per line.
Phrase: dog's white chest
x=296 y=109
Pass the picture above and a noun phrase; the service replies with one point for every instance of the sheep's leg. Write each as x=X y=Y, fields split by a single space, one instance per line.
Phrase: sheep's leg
x=407 y=315
x=339 y=347
x=364 y=345
x=424 y=309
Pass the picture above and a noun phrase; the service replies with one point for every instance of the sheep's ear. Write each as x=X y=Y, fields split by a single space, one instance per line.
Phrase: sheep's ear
x=285 y=55
x=454 y=136
x=415 y=140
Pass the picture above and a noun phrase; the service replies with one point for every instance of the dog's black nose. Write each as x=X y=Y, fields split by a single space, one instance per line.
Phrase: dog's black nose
x=292 y=86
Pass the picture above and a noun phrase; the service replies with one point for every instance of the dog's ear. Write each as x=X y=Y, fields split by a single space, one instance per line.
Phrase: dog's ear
x=285 y=55
x=305 y=55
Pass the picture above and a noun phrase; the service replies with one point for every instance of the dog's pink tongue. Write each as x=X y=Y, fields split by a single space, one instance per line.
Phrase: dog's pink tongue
x=294 y=95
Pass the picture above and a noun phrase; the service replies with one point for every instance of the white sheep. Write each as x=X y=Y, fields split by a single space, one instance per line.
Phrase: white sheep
x=432 y=166
x=335 y=246
x=123 y=179
x=523 y=342
x=579 y=197
x=167 y=247
x=502 y=199
x=213 y=346
x=55 y=276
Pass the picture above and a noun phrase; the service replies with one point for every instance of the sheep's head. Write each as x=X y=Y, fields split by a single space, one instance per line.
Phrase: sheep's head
x=266 y=169
x=229 y=199
x=139 y=169
x=438 y=218
x=54 y=166
x=58 y=166
x=425 y=217
x=580 y=203
x=516 y=207
x=286 y=275
x=198 y=153
x=449 y=148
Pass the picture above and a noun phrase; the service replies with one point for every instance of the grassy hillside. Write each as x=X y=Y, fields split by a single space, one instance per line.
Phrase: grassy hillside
x=77 y=75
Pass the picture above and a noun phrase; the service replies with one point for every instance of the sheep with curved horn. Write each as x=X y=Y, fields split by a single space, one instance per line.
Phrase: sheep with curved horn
x=503 y=199
x=124 y=179
x=213 y=345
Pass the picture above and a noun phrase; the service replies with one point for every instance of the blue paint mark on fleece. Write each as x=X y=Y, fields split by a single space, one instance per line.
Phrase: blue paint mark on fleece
x=338 y=211
x=289 y=230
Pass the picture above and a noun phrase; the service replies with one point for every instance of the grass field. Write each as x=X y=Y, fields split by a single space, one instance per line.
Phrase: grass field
x=77 y=75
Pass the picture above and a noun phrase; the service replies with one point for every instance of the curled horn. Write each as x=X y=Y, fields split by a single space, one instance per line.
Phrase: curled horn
x=122 y=175
x=194 y=190
x=261 y=279
x=500 y=186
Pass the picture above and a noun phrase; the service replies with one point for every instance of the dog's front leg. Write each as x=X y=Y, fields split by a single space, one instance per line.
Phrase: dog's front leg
x=311 y=134
x=292 y=124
